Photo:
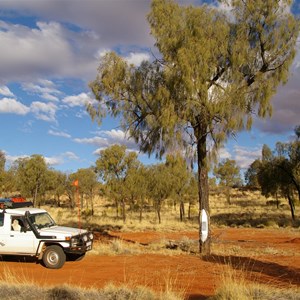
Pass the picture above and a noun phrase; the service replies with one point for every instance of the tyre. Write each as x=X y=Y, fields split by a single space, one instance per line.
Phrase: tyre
x=54 y=257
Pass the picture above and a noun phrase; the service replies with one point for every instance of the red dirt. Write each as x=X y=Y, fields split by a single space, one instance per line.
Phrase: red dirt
x=279 y=266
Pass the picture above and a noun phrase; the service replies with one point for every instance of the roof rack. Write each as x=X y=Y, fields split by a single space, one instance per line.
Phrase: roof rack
x=7 y=203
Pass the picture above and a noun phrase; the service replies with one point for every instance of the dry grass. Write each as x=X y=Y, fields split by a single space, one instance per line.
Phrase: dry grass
x=15 y=286
x=247 y=209
x=234 y=286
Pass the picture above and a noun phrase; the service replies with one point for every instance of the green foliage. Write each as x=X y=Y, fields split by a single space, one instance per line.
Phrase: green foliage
x=215 y=71
x=2 y=161
x=114 y=166
x=159 y=186
x=251 y=174
x=31 y=177
x=87 y=187
x=278 y=173
x=229 y=175
x=56 y=183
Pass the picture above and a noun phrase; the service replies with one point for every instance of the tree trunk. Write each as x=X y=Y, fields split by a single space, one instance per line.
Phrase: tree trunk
x=141 y=209
x=227 y=192
x=117 y=208
x=277 y=200
x=292 y=206
x=201 y=133
x=181 y=210
x=123 y=211
x=158 y=207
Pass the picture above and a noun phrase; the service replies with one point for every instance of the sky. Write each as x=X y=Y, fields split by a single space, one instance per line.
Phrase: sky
x=49 y=52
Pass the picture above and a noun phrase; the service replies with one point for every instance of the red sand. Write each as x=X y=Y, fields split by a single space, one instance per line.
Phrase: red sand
x=198 y=279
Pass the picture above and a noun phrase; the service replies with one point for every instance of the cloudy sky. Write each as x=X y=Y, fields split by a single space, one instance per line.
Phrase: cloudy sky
x=49 y=52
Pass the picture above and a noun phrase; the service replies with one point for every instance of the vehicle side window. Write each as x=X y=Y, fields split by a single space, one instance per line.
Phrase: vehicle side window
x=1 y=219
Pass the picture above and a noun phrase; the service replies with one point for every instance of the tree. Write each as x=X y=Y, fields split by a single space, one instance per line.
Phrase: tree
x=159 y=186
x=180 y=177
x=87 y=186
x=113 y=167
x=31 y=177
x=278 y=172
x=2 y=161
x=56 y=182
x=251 y=175
x=229 y=175
x=213 y=73
x=136 y=187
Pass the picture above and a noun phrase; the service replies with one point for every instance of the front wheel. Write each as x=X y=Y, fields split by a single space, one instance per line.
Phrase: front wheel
x=54 y=257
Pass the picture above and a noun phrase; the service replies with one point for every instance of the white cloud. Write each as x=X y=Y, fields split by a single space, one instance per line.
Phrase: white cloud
x=47 y=50
x=59 y=133
x=12 y=106
x=109 y=21
x=97 y=141
x=101 y=53
x=54 y=161
x=137 y=58
x=70 y=155
x=44 y=111
x=5 y=91
x=223 y=153
x=109 y=138
x=244 y=156
x=10 y=159
x=61 y=158
x=78 y=100
x=45 y=89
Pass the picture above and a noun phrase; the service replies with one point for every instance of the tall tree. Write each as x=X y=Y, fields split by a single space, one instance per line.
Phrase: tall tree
x=213 y=73
x=31 y=177
x=136 y=187
x=251 y=175
x=229 y=175
x=87 y=186
x=180 y=177
x=159 y=186
x=113 y=167
x=278 y=172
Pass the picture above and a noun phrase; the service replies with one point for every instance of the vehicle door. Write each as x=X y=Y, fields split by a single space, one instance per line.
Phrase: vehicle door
x=20 y=240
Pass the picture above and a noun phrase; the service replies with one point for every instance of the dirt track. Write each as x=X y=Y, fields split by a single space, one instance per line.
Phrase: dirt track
x=275 y=260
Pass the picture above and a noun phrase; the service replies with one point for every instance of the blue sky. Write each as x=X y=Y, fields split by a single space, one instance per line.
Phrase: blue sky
x=49 y=52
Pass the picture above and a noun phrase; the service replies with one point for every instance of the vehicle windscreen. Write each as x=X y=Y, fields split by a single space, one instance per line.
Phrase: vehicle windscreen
x=42 y=220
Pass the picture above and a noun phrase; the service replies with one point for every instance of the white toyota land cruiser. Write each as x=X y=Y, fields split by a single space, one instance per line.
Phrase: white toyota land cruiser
x=29 y=231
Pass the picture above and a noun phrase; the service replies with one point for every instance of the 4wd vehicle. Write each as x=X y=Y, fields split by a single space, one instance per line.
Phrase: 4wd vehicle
x=29 y=231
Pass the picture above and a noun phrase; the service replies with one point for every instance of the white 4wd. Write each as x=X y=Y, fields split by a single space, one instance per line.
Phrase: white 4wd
x=32 y=232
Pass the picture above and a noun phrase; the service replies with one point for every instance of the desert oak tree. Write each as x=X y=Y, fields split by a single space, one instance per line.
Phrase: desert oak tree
x=214 y=70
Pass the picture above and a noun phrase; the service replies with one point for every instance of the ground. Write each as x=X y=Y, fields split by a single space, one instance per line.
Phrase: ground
x=269 y=256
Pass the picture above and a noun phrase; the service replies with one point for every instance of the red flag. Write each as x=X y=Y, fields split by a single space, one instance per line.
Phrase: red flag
x=75 y=182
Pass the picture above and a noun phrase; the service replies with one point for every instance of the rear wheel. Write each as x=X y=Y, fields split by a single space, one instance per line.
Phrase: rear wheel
x=54 y=257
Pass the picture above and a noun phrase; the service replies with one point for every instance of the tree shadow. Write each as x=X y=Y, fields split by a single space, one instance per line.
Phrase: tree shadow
x=247 y=218
x=254 y=268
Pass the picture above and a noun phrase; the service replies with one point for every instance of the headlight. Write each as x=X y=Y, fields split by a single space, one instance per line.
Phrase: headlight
x=91 y=236
x=74 y=241
x=85 y=238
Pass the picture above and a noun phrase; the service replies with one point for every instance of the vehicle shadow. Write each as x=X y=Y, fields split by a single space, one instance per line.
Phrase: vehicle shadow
x=254 y=268
x=18 y=258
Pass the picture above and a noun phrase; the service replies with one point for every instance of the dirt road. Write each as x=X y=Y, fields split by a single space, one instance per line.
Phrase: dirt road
x=275 y=260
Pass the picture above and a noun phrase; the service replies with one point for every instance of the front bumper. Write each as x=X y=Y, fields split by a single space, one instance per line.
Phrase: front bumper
x=80 y=244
